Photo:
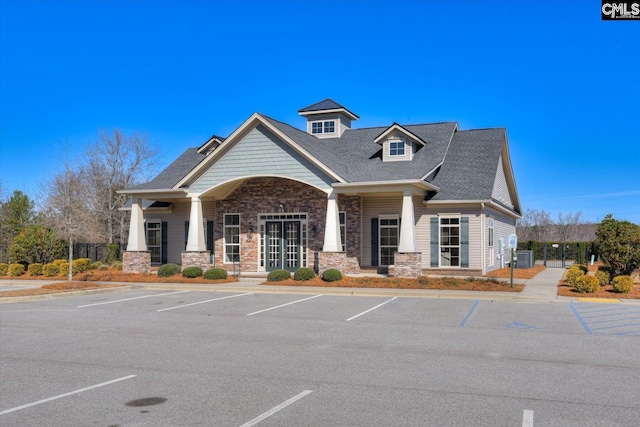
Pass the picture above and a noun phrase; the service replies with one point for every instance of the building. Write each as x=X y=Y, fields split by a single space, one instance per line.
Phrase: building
x=408 y=199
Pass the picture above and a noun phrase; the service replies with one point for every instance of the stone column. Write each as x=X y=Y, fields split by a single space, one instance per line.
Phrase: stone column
x=407 y=225
x=332 y=241
x=195 y=239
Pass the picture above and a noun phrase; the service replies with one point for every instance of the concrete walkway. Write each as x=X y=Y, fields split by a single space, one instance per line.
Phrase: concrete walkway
x=544 y=286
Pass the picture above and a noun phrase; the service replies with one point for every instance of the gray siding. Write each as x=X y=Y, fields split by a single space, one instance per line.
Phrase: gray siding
x=502 y=227
x=175 y=226
x=372 y=207
x=500 y=189
x=260 y=153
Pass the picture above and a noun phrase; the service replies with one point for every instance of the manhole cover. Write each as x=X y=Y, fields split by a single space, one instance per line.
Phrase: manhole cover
x=147 y=401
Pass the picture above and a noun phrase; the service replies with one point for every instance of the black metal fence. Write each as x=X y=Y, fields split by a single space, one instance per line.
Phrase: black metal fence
x=93 y=251
x=560 y=255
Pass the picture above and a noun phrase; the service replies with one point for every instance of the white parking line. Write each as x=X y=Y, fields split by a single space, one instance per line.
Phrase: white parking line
x=28 y=405
x=527 y=418
x=371 y=309
x=129 y=299
x=283 y=305
x=275 y=409
x=202 y=302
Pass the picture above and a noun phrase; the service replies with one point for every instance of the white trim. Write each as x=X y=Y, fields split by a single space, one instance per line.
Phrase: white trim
x=459 y=245
x=396 y=127
x=419 y=186
x=333 y=110
x=224 y=237
x=397 y=227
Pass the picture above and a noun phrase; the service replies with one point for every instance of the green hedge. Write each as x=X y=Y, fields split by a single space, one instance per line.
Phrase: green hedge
x=303 y=274
x=331 y=275
x=168 y=270
x=35 y=269
x=278 y=275
x=192 y=272
x=215 y=274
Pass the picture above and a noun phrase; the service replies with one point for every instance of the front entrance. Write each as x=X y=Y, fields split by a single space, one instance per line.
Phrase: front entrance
x=282 y=245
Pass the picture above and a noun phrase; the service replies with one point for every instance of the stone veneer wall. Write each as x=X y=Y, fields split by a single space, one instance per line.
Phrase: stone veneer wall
x=265 y=195
x=136 y=262
x=327 y=260
x=196 y=259
x=407 y=264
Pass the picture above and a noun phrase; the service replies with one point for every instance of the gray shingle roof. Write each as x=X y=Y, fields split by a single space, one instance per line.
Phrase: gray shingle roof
x=469 y=169
x=173 y=173
x=327 y=104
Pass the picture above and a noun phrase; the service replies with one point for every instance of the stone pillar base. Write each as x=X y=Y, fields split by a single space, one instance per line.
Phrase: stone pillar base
x=407 y=264
x=327 y=260
x=196 y=259
x=136 y=262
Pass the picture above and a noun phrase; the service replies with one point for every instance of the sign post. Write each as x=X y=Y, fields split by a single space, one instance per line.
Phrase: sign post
x=512 y=243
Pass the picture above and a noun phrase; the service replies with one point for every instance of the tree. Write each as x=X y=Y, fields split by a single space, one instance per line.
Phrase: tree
x=15 y=214
x=618 y=244
x=37 y=243
x=116 y=162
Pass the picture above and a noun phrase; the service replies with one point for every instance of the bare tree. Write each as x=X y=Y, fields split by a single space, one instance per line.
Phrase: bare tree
x=116 y=162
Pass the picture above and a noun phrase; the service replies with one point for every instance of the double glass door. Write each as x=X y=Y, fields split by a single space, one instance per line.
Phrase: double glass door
x=282 y=245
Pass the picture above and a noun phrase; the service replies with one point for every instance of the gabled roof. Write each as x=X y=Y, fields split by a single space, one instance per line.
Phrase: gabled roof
x=211 y=144
x=326 y=106
x=173 y=173
x=396 y=127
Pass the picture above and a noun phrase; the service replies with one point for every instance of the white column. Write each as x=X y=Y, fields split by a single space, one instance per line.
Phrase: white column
x=195 y=239
x=332 y=242
x=407 y=224
x=136 y=240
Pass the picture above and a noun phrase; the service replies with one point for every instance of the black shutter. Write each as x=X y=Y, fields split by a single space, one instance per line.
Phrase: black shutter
x=374 y=242
x=186 y=234
x=435 y=228
x=210 y=236
x=164 y=242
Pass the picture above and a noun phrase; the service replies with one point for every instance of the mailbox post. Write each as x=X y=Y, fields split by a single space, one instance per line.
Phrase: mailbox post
x=512 y=243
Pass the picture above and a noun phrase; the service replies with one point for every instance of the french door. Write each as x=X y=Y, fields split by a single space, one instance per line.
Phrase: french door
x=282 y=245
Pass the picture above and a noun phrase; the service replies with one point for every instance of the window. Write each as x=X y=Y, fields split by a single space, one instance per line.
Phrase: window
x=329 y=127
x=449 y=242
x=154 y=241
x=396 y=148
x=492 y=254
x=323 y=127
x=389 y=228
x=231 y=238
x=343 y=230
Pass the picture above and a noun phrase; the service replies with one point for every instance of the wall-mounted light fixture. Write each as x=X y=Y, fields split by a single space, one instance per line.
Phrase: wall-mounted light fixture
x=249 y=234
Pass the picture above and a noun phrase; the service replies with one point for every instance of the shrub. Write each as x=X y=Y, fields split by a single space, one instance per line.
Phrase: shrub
x=63 y=268
x=95 y=265
x=304 y=273
x=192 y=272
x=113 y=253
x=331 y=275
x=588 y=284
x=215 y=274
x=603 y=277
x=57 y=262
x=167 y=270
x=572 y=275
x=582 y=267
x=116 y=265
x=623 y=284
x=4 y=268
x=50 y=270
x=16 y=270
x=278 y=275
x=103 y=267
x=35 y=269
x=82 y=264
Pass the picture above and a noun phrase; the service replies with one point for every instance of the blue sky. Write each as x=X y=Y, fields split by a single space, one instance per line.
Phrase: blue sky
x=563 y=82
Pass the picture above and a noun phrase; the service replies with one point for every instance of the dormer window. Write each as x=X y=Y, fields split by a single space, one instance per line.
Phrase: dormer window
x=396 y=148
x=328 y=126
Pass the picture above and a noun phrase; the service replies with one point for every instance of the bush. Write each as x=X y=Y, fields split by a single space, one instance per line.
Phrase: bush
x=623 y=284
x=278 y=275
x=582 y=267
x=16 y=270
x=63 y=268
x=572 y=275
x=215 y=274
x=81 y=264
x=192 y=272
x=4 y=268
x=304 y=273
x=57 y=262
x=116 y=265
x=603 y=277
x=50 y=270
x=113 y=253
x=103 y=267
x=35 y=269
x=331 y=275
x=588 y=284
x=168 y=270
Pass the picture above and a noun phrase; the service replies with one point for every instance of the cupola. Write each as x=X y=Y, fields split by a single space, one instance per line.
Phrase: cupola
x=327 y=119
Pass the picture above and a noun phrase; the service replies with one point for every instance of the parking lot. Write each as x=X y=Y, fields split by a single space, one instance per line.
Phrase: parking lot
x=177 y=358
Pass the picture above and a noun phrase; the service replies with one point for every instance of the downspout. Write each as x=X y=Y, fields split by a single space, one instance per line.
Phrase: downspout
x=483 y=254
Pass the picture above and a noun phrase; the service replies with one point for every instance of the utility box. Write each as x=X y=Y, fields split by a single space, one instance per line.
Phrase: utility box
x=525 y=259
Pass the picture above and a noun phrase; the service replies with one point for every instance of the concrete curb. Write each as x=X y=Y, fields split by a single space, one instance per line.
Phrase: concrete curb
x=9 y=300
